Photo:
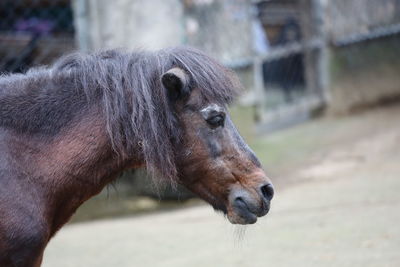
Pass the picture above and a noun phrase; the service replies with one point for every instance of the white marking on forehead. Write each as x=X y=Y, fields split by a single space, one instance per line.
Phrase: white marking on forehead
x=211 y=108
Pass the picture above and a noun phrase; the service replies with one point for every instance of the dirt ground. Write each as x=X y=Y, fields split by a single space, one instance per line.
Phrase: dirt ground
x=341 y=208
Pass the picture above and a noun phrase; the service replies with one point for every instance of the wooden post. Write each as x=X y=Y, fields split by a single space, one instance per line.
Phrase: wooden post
x=322 y=60
x=259 y=91
x=316 y=59
x=308 y=33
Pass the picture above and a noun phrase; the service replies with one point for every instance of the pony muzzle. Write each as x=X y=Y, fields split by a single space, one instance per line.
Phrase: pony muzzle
x=246 y=206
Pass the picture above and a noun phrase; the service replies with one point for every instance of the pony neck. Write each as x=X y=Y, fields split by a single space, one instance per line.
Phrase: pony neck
x=78 y=163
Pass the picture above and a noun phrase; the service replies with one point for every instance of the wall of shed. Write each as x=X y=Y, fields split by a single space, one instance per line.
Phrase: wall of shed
x=221 y=28
x=131 y=24
x=364 y=74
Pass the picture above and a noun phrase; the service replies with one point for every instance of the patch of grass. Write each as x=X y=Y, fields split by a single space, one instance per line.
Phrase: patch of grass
x=243 y=118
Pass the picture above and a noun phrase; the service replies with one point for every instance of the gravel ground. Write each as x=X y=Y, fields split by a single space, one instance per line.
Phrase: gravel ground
x=344 y=212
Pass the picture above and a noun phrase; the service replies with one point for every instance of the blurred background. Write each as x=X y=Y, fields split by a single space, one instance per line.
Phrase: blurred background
x=320 y=109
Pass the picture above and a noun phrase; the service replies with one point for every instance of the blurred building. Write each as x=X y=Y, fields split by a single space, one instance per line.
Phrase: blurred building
x=294 y=56
x=364 y=37
x=207 y=24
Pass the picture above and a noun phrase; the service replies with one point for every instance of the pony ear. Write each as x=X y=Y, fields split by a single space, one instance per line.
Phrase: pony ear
x=176 y=81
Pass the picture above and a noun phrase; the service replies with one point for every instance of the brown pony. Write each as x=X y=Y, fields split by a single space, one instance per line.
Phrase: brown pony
x=68 y=130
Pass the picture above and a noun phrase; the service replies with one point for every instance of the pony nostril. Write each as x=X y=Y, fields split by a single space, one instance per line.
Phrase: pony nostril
x=240 y=201
x=267 y=191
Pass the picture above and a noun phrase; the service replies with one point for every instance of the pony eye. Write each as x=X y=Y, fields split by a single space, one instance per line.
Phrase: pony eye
x=216 y=121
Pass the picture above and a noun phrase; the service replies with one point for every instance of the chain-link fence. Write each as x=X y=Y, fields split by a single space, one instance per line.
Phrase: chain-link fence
x=308 y=48
x=34 y=32
x=283 y=62
x=289 y=45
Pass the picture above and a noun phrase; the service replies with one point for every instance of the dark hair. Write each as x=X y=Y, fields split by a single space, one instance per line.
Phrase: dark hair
x=127 y=86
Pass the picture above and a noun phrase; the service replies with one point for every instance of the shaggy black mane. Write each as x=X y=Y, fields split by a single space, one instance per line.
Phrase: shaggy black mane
x=128 y=88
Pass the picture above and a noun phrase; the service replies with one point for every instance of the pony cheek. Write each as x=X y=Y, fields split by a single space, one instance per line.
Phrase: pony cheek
x=209 y=192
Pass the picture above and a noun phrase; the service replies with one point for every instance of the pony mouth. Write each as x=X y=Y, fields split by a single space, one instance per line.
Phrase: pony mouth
x=240 y=213
x=237 y=212
x=242 y=218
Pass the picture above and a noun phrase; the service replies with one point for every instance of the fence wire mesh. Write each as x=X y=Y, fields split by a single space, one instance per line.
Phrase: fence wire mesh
x=34 y=32
x=297 y=33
